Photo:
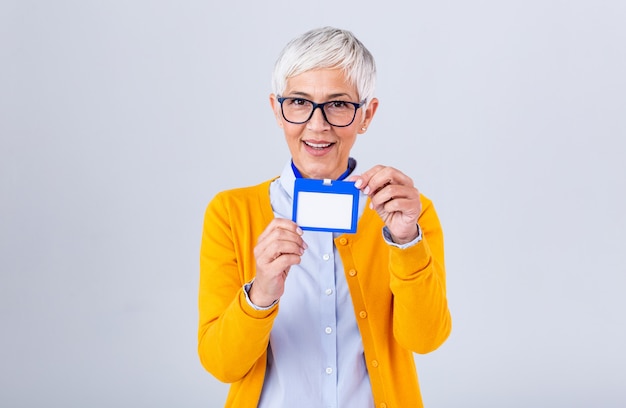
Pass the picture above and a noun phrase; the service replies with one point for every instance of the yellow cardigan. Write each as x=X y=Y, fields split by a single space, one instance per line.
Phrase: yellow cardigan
x=399 y=298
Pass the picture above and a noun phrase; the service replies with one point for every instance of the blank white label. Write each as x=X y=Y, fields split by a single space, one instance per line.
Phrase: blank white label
x=324 y=210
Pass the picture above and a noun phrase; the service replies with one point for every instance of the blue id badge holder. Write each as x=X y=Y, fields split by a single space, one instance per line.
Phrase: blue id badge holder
x=325 y=205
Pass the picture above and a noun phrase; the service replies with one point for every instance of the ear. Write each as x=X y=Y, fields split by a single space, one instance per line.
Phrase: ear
x=276 y=109
x=369 y=115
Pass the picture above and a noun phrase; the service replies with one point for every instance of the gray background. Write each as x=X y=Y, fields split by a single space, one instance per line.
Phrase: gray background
x=119 y=121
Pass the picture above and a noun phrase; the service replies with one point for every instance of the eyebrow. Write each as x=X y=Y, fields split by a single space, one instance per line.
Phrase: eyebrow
x=329 y=97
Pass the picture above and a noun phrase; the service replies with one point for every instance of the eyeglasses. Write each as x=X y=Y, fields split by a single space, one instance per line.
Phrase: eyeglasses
x=336 y=113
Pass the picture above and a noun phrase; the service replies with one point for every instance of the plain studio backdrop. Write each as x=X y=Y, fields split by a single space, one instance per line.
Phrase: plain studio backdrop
x=120 y=120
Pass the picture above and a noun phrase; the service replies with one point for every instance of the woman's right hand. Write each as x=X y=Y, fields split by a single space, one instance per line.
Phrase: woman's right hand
x=278 y=248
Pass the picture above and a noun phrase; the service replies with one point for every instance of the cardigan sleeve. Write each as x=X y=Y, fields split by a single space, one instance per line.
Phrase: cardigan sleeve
x=421 y=318
x=232 y=336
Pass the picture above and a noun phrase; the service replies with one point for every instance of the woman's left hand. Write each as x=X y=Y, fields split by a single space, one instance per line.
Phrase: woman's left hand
x=395 y=199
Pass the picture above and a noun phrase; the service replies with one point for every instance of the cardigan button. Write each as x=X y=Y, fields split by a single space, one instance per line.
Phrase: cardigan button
x=383 y=405
x=374 y=363
x=343 y=241
x=352 y=272
x=362 y=314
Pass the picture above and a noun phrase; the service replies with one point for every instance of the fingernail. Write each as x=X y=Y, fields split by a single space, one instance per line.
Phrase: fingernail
x=367 y=190
x=299 y=231
x=304 y=245
x=371 y=206
x=358 y=183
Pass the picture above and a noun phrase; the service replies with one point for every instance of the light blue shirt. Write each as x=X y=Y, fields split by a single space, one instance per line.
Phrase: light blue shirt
x=315 y=356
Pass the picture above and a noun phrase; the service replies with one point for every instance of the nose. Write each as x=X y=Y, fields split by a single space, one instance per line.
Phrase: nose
x=318 y=121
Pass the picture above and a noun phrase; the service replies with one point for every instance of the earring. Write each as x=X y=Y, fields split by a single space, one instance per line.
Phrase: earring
x=363 y=129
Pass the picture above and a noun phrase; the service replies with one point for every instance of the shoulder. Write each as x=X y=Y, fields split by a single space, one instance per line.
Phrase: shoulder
x=244 y=193
x=427 y=203
x=240 y=209
x=428 y=218
x=242 y=198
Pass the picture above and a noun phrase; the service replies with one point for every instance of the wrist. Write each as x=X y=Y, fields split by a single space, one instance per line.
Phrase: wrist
x=258 y=299
x=401 y=240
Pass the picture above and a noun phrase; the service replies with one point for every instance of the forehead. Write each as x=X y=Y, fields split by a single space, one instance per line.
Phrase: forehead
x=321 y=84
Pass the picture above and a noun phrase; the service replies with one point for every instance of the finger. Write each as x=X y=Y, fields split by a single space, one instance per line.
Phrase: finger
x=375 y=179
x=388 y=176
x=277 y=249
x=404 y=207
x=390 y=192
x=280 y=224
x=362 y=180
x=285 y=261
x=278 y=231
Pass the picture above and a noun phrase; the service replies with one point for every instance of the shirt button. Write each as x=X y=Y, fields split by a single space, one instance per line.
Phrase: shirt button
x=343 y=241
x=328 y=291
x=329 y=370
x=362 y=314
x=352 y=272
x=374 y=363
x=328 y=330
x=326 y=257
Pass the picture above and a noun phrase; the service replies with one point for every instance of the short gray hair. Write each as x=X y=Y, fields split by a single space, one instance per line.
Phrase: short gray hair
x=327 y=48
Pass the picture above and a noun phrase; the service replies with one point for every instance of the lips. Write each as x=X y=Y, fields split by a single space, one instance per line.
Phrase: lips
x=317 y=145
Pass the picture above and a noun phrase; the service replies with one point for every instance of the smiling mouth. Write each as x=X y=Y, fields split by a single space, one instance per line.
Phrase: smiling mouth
x=319 y=146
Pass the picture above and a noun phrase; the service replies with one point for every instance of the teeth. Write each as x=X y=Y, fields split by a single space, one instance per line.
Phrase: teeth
x=318 y=145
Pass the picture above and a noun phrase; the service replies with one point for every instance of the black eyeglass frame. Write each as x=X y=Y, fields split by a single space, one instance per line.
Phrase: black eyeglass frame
x=281 y=99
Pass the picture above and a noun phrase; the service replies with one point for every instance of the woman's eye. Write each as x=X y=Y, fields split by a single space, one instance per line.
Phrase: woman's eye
x=298 y=102
x=338 y=104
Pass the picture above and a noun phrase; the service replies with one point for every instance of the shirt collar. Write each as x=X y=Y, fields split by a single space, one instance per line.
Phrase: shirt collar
x=288 y=178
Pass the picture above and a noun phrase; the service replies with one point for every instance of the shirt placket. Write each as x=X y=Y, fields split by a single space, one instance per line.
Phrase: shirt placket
x=328 y=322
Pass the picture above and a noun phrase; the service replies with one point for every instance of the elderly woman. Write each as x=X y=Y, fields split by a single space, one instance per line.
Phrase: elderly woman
x=297 y=318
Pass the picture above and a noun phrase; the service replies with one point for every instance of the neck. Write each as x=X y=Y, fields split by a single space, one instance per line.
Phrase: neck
x=349 y=168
